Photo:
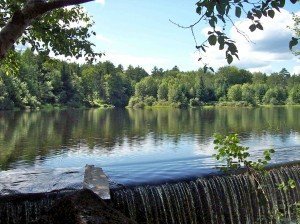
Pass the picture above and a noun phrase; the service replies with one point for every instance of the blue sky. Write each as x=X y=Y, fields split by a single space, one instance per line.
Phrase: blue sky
x=139 y=32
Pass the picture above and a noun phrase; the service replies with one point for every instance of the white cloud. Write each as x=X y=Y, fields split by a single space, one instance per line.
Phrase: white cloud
x=268 y=46
x=296 y=70
x=103 y=39
x=102 y=2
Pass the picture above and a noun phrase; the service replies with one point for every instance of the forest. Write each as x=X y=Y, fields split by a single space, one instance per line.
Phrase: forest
x=41 y=82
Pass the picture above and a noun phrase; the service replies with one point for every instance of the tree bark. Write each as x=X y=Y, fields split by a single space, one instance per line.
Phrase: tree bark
x=21 y=19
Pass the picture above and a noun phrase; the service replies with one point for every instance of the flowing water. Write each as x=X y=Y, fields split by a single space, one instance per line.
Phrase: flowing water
x=236 y=199
x=47 y=150
x=163 y=156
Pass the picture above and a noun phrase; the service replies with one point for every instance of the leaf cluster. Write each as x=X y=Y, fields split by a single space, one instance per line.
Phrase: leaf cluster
x=236 y=156
x=291 y=184
x=222 y=12
x=64 y=31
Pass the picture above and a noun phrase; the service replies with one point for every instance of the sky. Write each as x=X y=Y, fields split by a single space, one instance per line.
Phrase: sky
x=138 y=32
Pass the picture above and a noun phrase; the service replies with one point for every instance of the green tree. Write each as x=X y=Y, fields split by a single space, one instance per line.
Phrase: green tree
x=259 y=78
x=135 y=74
x=67 y=90
x=146 y=87
x=294 y=94
x=5 y=102
x=24 y=22
x=201 y=93
x=162 y=92
x=117 y=89
x=275 y=96
x=235 y=93
x=248 y=94
x=157 y=71
x=260 y=91
x=177 y=94
x=277 y=79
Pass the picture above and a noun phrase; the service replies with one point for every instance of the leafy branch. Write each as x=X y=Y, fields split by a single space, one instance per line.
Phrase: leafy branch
x=221 y=12
x=237 y=156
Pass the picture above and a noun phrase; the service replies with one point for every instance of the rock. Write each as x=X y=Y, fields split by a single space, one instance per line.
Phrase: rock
x=96 y=180
x=82 y=207
x=24 y=208
x=8 y=192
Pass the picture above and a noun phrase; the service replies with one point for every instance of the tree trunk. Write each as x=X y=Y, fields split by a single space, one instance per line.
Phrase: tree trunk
x=21 y=19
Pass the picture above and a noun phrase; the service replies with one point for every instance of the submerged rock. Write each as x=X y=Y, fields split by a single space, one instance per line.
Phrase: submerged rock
x=82 y=207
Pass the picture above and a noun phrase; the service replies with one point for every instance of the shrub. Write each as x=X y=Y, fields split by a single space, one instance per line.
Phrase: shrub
x=275 y=96
x=149 y=100
x=235 y=93
x=294 y=94
x=194 y=102
x=139 y=105
x=133 y=101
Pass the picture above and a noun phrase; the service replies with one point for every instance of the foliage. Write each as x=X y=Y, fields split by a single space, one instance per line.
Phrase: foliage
x=146 y=87
x=275 y=96
x=248 y=94
x=291 y=184
x=235 y=93
x=296 y=29
x=68 y=31
x=221 y=13
x=44 y=81
x=236 y=155
x=229 y=86
x=294 y=94
x=162 y=92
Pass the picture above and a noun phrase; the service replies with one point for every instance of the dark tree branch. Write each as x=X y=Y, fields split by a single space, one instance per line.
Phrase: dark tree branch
x=22 y=18
x=49 y=6
x=190 y=26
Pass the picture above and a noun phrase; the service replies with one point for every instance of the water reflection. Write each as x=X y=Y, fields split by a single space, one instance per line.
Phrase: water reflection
x=141 y=144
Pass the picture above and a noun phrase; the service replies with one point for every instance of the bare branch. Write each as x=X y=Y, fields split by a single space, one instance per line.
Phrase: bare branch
x=239 y=31
x=190 y=26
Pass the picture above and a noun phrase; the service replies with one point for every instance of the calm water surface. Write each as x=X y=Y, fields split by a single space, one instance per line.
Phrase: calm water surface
x=48 y=150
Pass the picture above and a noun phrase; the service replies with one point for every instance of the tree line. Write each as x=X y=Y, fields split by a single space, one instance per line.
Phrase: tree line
x=228 y=86
x=41 y=81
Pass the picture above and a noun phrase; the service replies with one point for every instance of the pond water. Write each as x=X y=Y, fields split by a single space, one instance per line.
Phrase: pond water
x=47 y=150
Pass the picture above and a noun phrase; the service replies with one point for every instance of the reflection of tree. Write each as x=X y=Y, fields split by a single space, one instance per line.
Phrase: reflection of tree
x=26 y=135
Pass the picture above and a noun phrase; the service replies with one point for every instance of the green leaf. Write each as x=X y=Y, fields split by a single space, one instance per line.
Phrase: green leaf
x=252 y=27
x=293 y=42
x=212 y=22
x=221 y=8
x=250 y=16
x=221 y=47
x=212 y=40
x=229 y=58
x=271 y=13
x=238 y=11
x=198 y=10
x=257 y=13
x=259 y=26
x=221 y=40
x=227 y=9
x=281 y=3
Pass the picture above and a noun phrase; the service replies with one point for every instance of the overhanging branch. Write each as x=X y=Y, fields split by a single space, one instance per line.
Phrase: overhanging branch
x=21 y=19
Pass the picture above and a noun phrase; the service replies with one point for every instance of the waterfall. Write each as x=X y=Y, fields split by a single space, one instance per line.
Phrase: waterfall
x=24 y=208
x=235 y=199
